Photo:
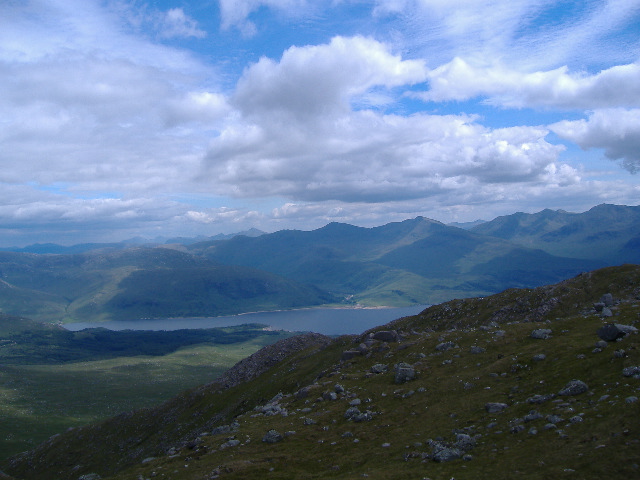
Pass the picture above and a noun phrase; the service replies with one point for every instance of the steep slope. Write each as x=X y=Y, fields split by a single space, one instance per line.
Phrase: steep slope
x=518 y=383
x=140 y=283
x=605 y=232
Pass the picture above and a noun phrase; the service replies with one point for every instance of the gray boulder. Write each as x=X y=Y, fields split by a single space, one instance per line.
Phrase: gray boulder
x=444 y=346
x=444 y=453
x=541 y=333
x=404 y=372
x=574 y=387
x=379 y=368
x=607 y=299
x=613 y=331
x=386 y=336
x=475 y=349
x=272 y=436
x=631 y=372
x=494 y=407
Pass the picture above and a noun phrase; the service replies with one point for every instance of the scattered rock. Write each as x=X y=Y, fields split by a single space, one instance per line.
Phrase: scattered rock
x=272 y=436
x=539 y=357
x=631 y=399
x=539 y=399
x=404 y=372
x=574 y=387
x=90 y=476
x=475 y=349
x=607 y=299
x=379 y=368
x=495 y=407
x=631 y=372
x=349 y=354
x=541 y=333
x=386 y=336
x=613 y=331
x=444 y=346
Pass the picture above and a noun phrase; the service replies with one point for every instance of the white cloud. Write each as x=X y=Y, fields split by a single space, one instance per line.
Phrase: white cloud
x=314 y=81
x=236 y=12
x=615 y=130
x=174 y=23
x=459 y=80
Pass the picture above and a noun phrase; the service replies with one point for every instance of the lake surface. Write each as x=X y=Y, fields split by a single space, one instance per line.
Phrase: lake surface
x=328 y=321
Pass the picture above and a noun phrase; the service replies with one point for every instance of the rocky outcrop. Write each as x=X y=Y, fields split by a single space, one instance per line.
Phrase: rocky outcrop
x=265 y=358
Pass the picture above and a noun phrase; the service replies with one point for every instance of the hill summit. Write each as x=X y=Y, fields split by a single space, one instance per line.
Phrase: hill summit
x=527 y=383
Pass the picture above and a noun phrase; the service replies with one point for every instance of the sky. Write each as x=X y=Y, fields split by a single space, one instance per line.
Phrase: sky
x=131 y=118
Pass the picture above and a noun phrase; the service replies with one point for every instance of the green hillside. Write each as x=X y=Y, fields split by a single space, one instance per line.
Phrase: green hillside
x=140 y=283
x=518 y=383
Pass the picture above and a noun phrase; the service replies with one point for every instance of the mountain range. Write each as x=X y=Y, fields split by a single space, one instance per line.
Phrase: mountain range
x=417 y=261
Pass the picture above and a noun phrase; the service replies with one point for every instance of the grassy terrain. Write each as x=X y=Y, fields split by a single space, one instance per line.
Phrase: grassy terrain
x=40 y=400
x=447 y=397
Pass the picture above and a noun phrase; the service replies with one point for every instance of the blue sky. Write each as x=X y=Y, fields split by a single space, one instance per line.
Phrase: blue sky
x=163 y=118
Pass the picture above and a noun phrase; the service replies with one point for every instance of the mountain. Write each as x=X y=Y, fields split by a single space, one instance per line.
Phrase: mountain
x=610 y=233
x=138 y=283
x=414 y=261
x=519 y=383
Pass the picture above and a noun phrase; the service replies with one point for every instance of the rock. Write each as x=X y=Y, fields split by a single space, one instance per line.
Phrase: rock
x=338 y=388
x=607 y=299
x=90 y=476
x=576 y=419
x=631 y=372
x=495 y=407
x=404 y=372
x=539 y=357
x=349 y=354
x=541 y=333
x=351 y=412
x=464 y=442
x=553 y=419
x=539 y=399
x=444 y=346
x=230 y=443
x=606 y=312
x=631 y=399
x=475 y=349
x=386 y=336
x=601 y=344
x=379 y=368
x=302 y=393
x=612 y=331
x=532 y=415
x=444 y=453
x=598 y=306
x=272 y=436
x=574 y=387
x=329 y=396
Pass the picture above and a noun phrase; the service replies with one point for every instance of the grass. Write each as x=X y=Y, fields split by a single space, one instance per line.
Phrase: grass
x=37 y=401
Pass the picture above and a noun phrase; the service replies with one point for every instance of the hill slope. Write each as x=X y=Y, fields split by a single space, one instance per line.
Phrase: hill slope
x=518 y=383
x=140 y=283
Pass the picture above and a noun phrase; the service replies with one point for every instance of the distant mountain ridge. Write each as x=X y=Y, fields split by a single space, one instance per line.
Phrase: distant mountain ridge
x=416 y=261
x=610 y=233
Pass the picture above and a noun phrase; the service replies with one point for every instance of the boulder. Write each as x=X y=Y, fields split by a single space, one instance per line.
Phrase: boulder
x=631 y=372
x=613 y=331
x=574 y=387
x=607 y=299
x=494 y=407
x=404 y=372
x=379 y=368
x=386 y=336
x=272 y=436
x=541 y=333
x=444 y=346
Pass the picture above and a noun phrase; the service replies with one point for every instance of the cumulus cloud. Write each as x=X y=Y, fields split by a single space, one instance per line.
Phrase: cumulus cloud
x=175 y=23
x=459 y=80
x=321 y=80
x=616 y=130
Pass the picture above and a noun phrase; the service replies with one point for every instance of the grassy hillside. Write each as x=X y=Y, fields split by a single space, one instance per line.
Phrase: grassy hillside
x=140 y=283
x=487 y=401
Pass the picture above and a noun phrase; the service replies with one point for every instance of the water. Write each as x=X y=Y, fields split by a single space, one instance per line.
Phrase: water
x=328 y=321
